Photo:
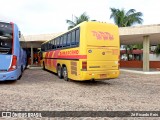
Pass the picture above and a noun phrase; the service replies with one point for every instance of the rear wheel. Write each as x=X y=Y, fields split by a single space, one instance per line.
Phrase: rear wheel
x=59 y=71
x=21 y=73
x=65 y=73
x=22 y=69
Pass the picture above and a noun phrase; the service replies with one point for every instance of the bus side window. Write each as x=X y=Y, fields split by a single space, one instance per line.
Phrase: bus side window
x=55 y=43
x=46 y=46
x=61 y=41
x=58 y=42
x=64 y=40
x=42 y=47
x=52 y=44
x=73 y=38
x=77 y=36
x=69 y=39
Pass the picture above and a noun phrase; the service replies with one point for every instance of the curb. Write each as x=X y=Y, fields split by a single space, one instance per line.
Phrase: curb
x=140 y=72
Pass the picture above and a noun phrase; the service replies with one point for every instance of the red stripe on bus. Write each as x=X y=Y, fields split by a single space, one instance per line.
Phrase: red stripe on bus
x=55 y=55
x=46 y=56
x=73 y=57
x=50 y=56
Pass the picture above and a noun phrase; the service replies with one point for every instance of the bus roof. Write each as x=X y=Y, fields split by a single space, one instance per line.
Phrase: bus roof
x=83 y=23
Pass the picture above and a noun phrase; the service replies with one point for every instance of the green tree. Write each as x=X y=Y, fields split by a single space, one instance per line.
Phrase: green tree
x=157 y=50
x=124 y=18
x=77 y=20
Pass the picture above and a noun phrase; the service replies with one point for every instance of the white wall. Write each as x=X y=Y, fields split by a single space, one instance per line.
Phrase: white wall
x=153 y=57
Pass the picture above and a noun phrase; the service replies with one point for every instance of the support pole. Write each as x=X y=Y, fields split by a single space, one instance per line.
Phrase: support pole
x=146 y=44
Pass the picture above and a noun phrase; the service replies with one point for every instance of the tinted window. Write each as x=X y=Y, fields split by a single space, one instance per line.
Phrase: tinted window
x=47 y=46
x=6 y=36
x=42 y=48
x=50 y=45
x=61 y=41
x=64 y=40
x=53 y=44
x=69 y=39
x=77 y=36
x=58 y=41
x=44 y=45
x=73 y=38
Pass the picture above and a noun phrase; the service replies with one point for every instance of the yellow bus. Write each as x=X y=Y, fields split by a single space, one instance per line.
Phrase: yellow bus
x=90 y=51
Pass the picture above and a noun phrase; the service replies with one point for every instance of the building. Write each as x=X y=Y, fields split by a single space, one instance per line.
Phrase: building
x=145 y=34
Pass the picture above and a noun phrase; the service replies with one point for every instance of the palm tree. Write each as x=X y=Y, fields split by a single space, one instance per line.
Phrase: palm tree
x=124 y=19
x=83 y=17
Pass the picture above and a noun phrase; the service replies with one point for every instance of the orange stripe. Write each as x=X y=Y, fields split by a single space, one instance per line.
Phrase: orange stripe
x=74 y=57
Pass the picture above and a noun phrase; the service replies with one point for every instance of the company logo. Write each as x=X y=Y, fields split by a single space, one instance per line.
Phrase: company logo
x=6 y=115
x=70 y=52
x=102 y=35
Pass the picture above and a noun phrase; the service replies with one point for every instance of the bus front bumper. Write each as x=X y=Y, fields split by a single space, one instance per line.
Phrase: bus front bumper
x=11 y=75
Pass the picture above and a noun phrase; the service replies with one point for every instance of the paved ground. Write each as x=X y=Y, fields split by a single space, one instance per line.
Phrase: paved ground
x=41 y=90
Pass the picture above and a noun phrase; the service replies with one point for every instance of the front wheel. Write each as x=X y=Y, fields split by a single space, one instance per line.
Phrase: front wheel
x=44 y=66
x=65 y=73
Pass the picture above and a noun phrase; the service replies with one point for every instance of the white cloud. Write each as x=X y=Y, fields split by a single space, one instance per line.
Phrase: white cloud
x=49 y=16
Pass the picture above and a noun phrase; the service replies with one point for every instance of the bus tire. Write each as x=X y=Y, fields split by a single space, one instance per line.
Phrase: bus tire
x=44 y=66
x=65 y=73
x=21 y=73
x=22 y=69
x=59 y=71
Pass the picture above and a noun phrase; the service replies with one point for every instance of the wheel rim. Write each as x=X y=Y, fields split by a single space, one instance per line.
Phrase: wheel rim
x=59 y=72
x=65 y=75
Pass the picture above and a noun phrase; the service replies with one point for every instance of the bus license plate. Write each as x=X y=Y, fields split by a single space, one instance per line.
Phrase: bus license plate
x=103 y=75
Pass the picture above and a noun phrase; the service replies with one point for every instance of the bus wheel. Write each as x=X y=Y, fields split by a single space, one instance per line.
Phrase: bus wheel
x=65 y=73
x=44 y=66
x=20 y=74
x=21 y=69
x=59 y=71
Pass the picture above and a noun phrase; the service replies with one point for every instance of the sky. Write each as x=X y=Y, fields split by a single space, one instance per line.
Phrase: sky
x=49 y=16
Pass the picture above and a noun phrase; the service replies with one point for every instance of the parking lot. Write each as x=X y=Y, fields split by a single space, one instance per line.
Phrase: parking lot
x=42 y=90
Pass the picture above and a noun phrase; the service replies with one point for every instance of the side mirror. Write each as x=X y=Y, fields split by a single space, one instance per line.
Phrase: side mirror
x=19 y=34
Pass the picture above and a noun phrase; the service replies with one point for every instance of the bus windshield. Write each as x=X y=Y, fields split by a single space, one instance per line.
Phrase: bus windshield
x=6 y=38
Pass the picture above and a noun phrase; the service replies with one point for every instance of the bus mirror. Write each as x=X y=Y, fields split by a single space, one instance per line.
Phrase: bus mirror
x=19 y=34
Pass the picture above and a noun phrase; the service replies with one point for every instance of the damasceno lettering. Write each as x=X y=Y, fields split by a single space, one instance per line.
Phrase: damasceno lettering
x=70 y=52
x=102 y=35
